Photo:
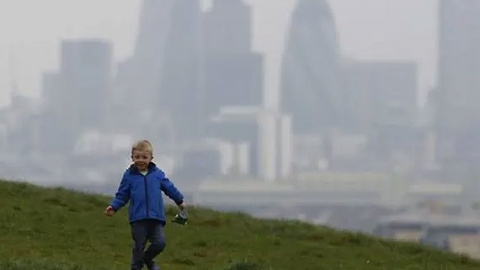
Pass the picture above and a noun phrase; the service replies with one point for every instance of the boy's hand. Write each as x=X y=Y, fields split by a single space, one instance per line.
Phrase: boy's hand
x=109 y=211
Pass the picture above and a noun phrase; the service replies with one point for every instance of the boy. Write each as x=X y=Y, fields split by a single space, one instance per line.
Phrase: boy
x=142 y=184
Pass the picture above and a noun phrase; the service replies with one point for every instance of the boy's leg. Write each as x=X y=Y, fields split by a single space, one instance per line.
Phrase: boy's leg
x=158 y=243
x=140 y=236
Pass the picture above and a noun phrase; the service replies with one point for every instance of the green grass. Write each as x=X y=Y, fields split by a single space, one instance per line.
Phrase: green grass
x=58 y=229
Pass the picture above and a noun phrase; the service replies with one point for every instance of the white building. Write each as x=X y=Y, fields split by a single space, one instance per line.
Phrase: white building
x=259 y=141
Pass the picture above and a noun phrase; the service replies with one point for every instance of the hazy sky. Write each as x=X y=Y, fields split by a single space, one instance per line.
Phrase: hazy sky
x=30 y=32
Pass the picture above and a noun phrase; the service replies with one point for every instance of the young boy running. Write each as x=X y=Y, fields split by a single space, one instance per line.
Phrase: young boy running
x=142 y=184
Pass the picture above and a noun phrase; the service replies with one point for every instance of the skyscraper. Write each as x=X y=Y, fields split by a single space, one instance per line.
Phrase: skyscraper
x=141 y=73
x=179 y=95
x=160 y=80
x=138 y=79
x=233 y=72
x=458 y=115
x=228 y=27
x=310 y=69
x=379 y=93
x=76 y=95
x=86 y=70
x=380 y=101
x=154 y=25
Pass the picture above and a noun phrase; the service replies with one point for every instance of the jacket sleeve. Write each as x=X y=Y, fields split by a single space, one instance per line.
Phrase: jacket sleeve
x=122 y=196
x=171 y=191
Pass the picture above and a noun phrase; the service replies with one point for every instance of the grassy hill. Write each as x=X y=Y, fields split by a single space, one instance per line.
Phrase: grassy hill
x=57 y=229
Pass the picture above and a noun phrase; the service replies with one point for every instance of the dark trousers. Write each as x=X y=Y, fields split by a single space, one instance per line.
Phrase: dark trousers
x=142 y=231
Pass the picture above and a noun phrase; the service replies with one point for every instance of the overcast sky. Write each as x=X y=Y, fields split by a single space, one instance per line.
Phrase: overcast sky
x=30 y=32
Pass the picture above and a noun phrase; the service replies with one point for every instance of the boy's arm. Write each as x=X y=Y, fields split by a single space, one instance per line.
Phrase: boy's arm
x=171 y=191
x=122 y=196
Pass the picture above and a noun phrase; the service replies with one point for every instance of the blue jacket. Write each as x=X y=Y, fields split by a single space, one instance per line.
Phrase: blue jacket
x=144 y=193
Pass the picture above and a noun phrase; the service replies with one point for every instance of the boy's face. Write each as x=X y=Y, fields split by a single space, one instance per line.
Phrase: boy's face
x=141 y=159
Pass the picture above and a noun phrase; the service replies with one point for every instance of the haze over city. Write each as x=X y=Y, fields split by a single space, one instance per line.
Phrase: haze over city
x=359 y=115
x=396 y=29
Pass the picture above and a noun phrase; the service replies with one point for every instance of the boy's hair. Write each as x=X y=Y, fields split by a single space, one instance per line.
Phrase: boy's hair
x=143 y=145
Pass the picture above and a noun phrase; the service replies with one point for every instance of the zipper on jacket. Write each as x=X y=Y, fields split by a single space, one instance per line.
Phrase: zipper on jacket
x=146 y=194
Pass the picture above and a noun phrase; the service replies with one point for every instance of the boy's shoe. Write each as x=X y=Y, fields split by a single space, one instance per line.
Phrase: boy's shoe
x=151 y=265
x=137 y=267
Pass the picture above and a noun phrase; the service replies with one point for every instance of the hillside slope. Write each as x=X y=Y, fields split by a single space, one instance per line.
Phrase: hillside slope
x=57 y=229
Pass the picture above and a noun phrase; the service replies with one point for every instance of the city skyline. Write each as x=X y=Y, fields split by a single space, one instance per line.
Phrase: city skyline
x=201 y=85
x=34 y=49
